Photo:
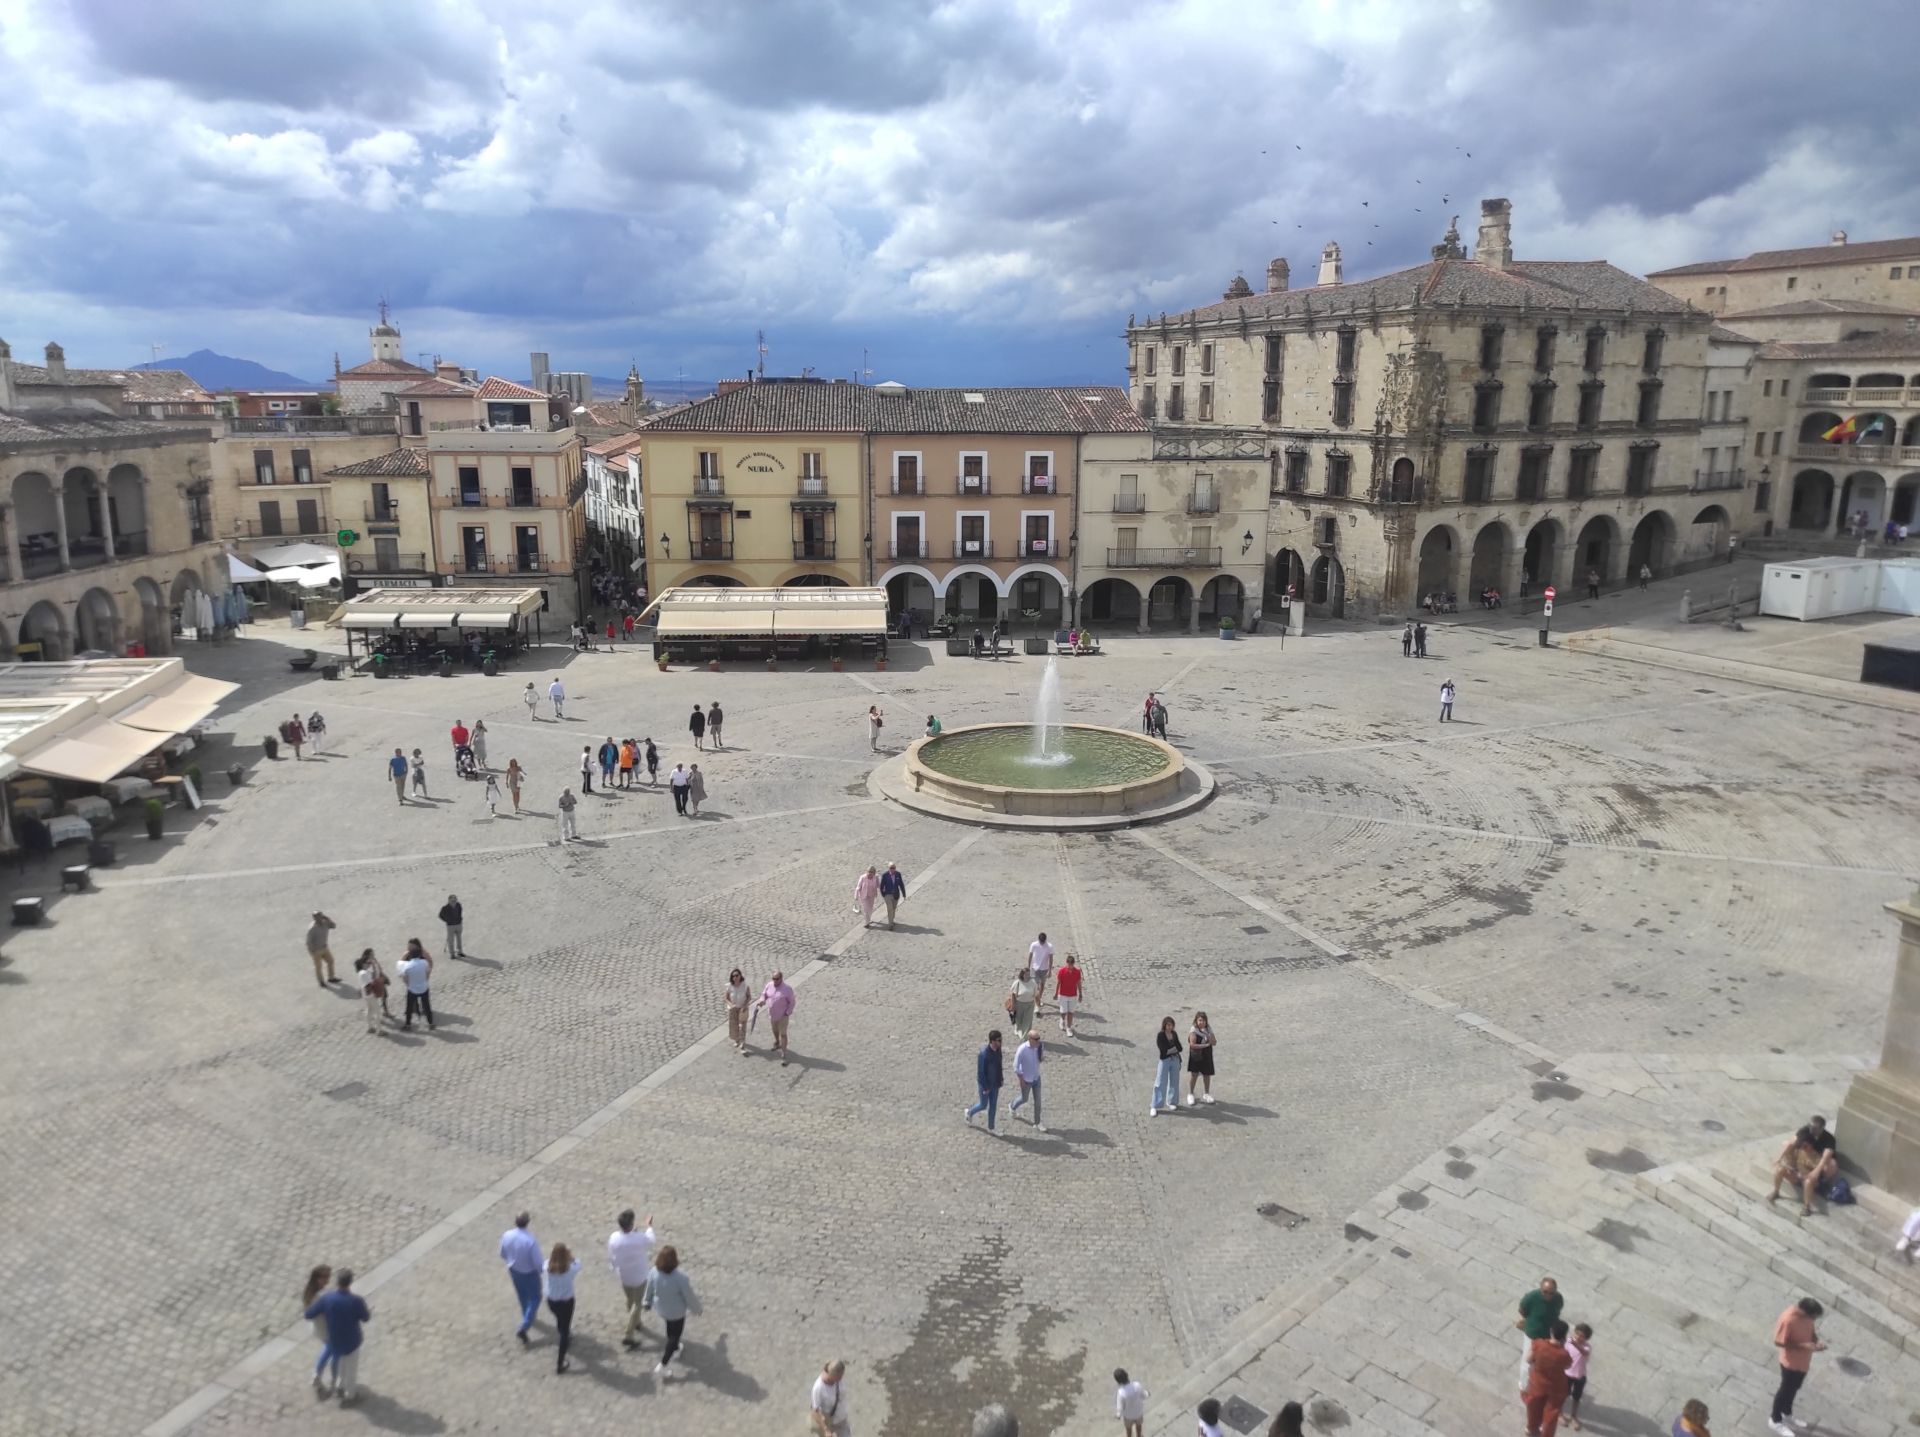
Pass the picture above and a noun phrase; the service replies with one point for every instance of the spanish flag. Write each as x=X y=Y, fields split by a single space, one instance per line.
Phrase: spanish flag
x=1843 y=431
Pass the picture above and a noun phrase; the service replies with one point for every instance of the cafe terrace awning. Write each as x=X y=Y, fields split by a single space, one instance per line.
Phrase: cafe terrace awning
x=92 y=720
x=178 y=709
x=92 y=751
x=697 y=612
x=436 y=608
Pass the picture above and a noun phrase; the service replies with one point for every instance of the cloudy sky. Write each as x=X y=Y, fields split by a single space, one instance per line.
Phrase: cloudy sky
x=977 y=191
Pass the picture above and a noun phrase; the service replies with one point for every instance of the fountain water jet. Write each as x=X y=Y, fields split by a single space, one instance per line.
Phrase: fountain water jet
x=1046 y=717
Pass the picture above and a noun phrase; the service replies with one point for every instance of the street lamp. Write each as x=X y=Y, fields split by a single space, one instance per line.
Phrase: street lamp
x=1246 y=541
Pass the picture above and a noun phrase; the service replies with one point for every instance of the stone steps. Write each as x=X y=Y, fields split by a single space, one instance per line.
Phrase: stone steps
x=1818 y=1269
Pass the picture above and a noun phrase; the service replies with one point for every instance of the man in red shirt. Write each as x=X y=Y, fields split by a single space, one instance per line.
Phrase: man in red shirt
x=1796 y=1340
x=461 y=737
x=1066 y=988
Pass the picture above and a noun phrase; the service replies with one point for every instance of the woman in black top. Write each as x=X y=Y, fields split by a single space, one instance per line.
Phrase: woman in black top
x=1166 y=1086
x=1200 y=1059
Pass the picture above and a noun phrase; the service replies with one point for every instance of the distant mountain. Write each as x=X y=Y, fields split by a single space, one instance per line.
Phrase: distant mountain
x=216 y=372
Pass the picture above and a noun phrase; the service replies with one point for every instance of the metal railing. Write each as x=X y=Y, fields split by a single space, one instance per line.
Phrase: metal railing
x=1164 y=558
x=973 y=548
x=1705 y=480
x=908 y=485
x=1858 y=453
x=470 y=499
x=378 y=513
x=1039 y=549
x=972 y=484
x=814 y=484
x=1040 y=484
x=813 y=548
x=359 y=562
x=527 y=499
x=709 y=484
x=1129 y=504
x=287 y=528
x=909 y=550
x=710 y=549
x=1203 y=504
x=315 y=424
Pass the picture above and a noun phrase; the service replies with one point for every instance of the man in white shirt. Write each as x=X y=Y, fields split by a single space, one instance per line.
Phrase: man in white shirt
x=630 y=1255
x=828 y=1408
x=1040 y=964
x=1129 y=1403
x=1026 y=1067
x=559 y=697
x=416 y=971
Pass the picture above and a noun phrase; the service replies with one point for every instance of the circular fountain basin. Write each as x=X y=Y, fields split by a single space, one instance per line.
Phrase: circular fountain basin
x=1103 y=773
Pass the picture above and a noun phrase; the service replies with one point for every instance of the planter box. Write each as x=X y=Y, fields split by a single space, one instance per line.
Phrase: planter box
x=1034 y=644
x=960 y=648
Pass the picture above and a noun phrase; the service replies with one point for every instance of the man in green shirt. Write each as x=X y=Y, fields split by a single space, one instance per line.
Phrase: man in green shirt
x=933 y=727
x=1539 y=1310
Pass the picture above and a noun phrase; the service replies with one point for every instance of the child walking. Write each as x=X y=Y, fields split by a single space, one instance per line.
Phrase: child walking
x=1129 y=1403
x=1579 y=1348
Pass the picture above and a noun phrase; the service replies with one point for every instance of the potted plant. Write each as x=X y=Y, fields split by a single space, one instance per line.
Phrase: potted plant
x=663 y=660
x=880 y=662
x=272 y=746
x=156 y=814
x=193 y=777
x=1226 y=626
x=236 y=775
x=713 y=666
x=381 y=670
x=490 y=665
x=446 y=667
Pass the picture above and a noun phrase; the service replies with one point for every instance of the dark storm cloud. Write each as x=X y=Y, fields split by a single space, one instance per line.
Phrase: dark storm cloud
x=982 y=189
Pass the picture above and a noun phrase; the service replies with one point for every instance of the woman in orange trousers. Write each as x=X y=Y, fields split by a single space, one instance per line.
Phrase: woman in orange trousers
x=1546 y=1390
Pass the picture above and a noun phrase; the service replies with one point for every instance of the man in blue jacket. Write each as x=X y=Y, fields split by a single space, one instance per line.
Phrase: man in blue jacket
x=987 y=1076
x=345 y=1313
x=893 y=887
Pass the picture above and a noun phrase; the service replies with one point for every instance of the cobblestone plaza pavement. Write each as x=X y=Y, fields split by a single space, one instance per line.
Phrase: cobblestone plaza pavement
x=1400 y=930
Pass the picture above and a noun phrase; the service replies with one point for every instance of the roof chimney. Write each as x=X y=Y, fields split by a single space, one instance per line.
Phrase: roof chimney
x=56 y=363
x=6 y=375
x=1494 y=248
x=1839 y=237
x=1330 y=263
x=1276 y=276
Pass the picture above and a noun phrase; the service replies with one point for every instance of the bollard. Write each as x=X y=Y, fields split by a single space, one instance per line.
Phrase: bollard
x=993 y=1420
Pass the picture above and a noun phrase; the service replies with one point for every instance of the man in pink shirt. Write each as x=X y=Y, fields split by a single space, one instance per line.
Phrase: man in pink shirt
x=777 y=998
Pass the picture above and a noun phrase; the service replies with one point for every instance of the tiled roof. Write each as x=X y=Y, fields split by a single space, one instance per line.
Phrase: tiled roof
x=1867 y=346
x=28 y=426
x=607 y=415
x=1720 y=334
x=36 y=376
x=1821 y=306
x=494 y=387
x=157 y=386
x=1868 y=251
x=1542 y=284
x=394 y=464
x=385 y=369
x=800 y=406
x=616 y=445
x=435 y=389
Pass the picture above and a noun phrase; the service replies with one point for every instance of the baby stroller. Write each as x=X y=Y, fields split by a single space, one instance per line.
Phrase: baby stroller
x=464 y=763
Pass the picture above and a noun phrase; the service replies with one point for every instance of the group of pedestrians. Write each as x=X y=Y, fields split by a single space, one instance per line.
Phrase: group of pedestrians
x=777 y=1000
x=624 y=758
x=874 y=887
x=651 y=1280
x=1413 y=641
x=414 y=969
x=1153 y=717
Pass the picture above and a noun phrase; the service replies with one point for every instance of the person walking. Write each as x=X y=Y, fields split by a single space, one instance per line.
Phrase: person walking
x=827 y=1403
x=1166 y=1079
x=1419 y=641
x=736 y=997
x=677 y=781
x=296 y=735
x=1795 y=1339
x=779 y=1001
x=1539 y=1310
x=1646 y=575
x=1446 y=701
x=1026 y=1069
x=626 y=627
x=653 y=764
x=1593 y=583
x=558 y=694
x=866 y=892
x=1579 y=1349
x=478 y=740
x=697 y=726
x=516 y=776
x=345 y=1315
x=875 y=722
x=416 y=971
x=565 y=804
x=988 y=1075
x=1208 y=1415
x=1040 y=964
x=419 y=773
x=1129 y=1404
x=372 y=988
x=1406 y=641
x=629 y=760
x=1200 y=1045
x=381 y=982
x=670 y=1295
x=1066 y=992
x=532 y=701
x=630 y=1255
x=1546 y=1391
x=714 y=719
x=317 y=730
x=562 y=1268
x=1146 y=714
x=612 y=630
x=1020 y=1000
x=520 y=1251
x=451 y=915
x=609 y=757
x=893 y=888
x=320 y=948
x=397 y=771
x=319 y=1279
x=493 y=794
x=1692 y=1421
x=696 y=790
x=1160 y=719
x=586 y=768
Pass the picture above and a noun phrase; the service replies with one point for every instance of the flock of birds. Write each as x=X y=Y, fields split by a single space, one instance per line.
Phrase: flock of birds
x=1368 y=204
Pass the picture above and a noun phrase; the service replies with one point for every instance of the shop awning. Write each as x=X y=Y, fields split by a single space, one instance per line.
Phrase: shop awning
x=93 y=752
x=383 y=620
x=484 y=621
x=729 y=624
x=241 y=572
x=178 y=709
x=845 y=619
x=424 y=621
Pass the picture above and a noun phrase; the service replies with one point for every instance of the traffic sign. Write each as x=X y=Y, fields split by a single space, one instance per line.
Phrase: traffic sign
x=1549 y=593
x=1546 y=609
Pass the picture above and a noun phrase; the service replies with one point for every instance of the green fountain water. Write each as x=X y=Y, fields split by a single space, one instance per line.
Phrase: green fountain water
x=1072 y=757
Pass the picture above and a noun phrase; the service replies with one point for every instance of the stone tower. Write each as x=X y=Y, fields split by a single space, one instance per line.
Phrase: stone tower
x=1330 y=263
x=385 y=337
x=1494 y=248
